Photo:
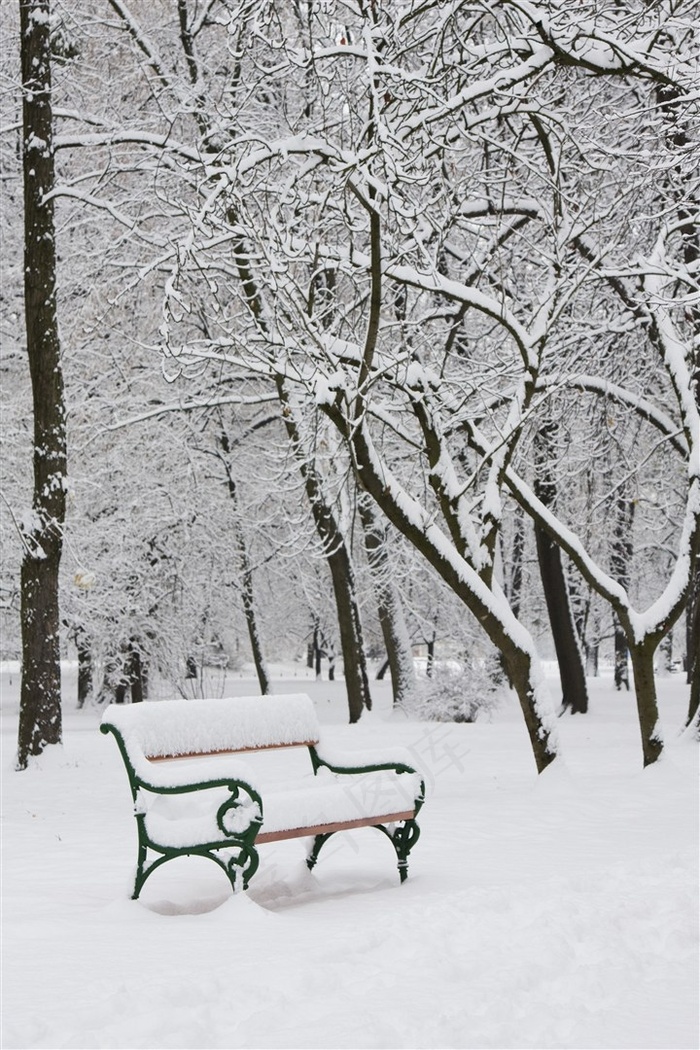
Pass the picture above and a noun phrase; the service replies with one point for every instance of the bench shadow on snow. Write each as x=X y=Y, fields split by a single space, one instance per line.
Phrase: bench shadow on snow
x=352 y=866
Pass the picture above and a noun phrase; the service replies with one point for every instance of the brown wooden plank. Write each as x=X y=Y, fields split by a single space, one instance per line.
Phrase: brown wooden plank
x=327 y=829
x=230 y=751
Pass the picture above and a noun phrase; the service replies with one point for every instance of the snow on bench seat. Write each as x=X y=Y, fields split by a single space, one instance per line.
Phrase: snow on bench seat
x=177 y=728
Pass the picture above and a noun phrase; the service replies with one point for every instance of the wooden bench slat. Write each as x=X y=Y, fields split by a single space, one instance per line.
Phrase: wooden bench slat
x=231 y=751
x=329 y=829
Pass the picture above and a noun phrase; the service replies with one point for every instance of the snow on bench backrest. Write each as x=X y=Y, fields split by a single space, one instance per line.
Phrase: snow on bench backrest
x=173 y=728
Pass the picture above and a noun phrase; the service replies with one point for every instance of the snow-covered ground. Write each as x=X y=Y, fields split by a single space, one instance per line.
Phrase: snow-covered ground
x=556 y=911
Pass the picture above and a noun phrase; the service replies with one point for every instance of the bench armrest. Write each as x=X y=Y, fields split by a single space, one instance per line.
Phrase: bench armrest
x=368 y=761
x=361 y=761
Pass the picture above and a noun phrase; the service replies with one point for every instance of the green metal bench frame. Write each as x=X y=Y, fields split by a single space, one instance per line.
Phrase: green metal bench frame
x=240 y=858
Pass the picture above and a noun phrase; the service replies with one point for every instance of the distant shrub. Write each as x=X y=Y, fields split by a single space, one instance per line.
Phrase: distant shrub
x=459 y=692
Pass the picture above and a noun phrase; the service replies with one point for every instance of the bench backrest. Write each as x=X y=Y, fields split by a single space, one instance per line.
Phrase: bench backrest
x=179 y=728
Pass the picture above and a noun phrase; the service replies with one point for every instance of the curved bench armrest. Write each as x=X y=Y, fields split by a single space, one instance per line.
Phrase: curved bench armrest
x=349 y=763
x=361 y=761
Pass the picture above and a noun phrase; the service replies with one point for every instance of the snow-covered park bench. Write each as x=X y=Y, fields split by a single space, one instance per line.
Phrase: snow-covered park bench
x=195 y=796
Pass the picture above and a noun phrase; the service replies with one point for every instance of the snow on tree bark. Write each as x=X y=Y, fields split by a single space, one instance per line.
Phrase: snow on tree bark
x=40 y=698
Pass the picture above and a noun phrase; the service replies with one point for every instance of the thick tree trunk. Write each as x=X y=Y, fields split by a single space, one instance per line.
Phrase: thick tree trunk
x=40 y=693
x=389 y=608
x=566 y=644
x=642 y=656
x=561 y=621
x=136 y=673
x=350 y=627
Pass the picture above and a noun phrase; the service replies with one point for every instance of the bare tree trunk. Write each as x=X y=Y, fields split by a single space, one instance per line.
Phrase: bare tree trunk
x=593 y=646
x=330 y=653
x=513 y=574
x=246 y=571
x=318 y=656
x=642 y=656
x=84 y=646
x=340 y=565
x=350 y=627
x=566 y=644
x=249 y=611
x=515 y=584
x=389 y=608
x=620 y=558
x=136 y=673
x=40 y=693
x=430 y=658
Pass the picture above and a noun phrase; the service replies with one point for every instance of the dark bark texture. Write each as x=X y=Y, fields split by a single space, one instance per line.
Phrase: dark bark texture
x=642 y=657
x=571 y=670
x=40 y=696
x=620 y=560
x=85 y=666
x=561 y=621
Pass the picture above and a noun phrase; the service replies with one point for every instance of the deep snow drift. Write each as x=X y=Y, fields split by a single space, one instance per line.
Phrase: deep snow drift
x=558 y=911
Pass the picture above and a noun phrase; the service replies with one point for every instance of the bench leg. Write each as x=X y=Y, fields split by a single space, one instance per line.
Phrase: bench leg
x=403 y=837
x=319 y=841
x=143 y=871
x=240 y=867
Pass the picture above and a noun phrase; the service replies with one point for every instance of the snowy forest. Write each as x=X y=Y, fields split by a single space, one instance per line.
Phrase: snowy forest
x=352 y=332
x=350 y=353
